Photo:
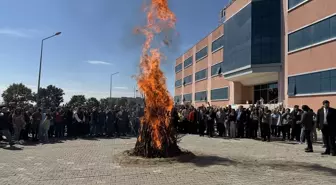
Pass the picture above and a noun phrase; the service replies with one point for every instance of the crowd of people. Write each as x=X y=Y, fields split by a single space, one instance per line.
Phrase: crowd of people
x=258 y=121
x=39 y=125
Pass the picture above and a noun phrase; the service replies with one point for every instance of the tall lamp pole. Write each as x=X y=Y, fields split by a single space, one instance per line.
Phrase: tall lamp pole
x=111 y=84
x=40 y=68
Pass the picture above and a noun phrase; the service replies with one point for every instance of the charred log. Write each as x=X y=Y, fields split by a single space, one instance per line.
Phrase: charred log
x=145 y=145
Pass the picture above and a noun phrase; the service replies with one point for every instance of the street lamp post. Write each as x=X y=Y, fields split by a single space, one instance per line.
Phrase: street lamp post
x=40 y=68
x=111 y=84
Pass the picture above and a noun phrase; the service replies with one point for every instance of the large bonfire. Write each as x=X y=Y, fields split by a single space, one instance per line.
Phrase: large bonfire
x=157 y=137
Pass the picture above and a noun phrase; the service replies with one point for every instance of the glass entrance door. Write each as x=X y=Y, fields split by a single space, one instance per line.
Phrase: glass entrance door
x=269 y=92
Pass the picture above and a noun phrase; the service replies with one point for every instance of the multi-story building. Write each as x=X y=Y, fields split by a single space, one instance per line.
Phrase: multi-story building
x=277 y=50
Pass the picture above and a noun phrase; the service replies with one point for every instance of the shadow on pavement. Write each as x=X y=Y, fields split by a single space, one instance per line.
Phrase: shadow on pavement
x=290 y=166
x=210 y=160
x=34 y=143
x=204 y=160
x=7 y=147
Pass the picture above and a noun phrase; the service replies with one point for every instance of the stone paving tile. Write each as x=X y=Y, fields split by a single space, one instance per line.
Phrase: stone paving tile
x=218 y=162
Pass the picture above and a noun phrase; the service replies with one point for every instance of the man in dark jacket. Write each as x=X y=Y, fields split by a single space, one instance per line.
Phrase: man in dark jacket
x=307 y=123
x=5 y=125
x=241 y=121
x=111 y=118
x=94 y=122
x=36 y=120
x=101 y=122
x=296 y=128
x=326 y=121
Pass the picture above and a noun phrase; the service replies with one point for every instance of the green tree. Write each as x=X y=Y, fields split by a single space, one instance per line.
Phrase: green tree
x=17 y=94
x=107 y=102
x=77 y=101
x=132 y=102
x=92 y=102
x=122 y=101
x=51 y=96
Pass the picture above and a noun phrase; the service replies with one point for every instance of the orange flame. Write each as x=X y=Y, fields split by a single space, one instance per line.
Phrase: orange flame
x=151 y=80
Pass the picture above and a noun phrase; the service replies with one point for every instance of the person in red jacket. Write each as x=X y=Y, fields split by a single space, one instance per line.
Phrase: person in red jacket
x=191 y=119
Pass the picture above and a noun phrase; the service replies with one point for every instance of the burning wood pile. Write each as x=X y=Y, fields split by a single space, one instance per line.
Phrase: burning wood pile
x=157 y=137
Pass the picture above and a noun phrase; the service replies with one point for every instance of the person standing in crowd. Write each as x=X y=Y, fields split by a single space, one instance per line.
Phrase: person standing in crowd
x=185 y=122
x=241 y=121
x=87 y=115
x=232 y=120
x=45 y=127
x=94 y=122
x=265 y=124
x=201 y=121
x=52 y=127
x=175 y=117
x=307 y=125
x=116 y=123
x=36 y=120
x=69 y=122
x=18 y=124
x=220 y=122
x=58 y=123
x=111 y=117
x=326 y=120
x=296 y=128
x=286 y=124
x=254 y=117
x=274 y=118
x=101 y=122
x=313 y=132
x=227 y=111
x=79 y=122
x=211 y=116
x=27 y=114
x=191 y=121
x=5 y=125
x=122 y=121
x=247 y=126
x=279 y=122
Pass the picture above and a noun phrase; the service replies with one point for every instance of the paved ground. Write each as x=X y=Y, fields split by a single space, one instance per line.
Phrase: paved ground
x=219 y=161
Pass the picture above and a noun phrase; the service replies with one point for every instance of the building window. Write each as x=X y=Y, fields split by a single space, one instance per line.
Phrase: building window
x=294 y=3
x=178 y=83
x=220 y=94
x=216 y=69
x=187 y=97
x=188 y=62
x=312 y=83
x=223 y=15
x=187 y=80
x=178 y=68
x=218 y=43
x=201 y=96
x=177 y=99
x=202 y=53
x=201 y=75
x=314 y=34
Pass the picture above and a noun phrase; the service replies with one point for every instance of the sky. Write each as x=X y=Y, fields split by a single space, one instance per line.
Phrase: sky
x=97 y=39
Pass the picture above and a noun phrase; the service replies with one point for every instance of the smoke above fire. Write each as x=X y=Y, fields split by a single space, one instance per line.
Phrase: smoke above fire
x=151 y=80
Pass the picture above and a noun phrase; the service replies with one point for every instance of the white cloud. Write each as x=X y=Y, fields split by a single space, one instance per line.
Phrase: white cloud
x=23 y=33
x=121 y=88
x=97 y=62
